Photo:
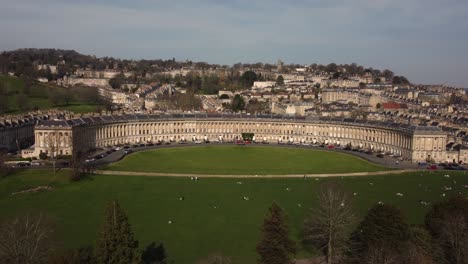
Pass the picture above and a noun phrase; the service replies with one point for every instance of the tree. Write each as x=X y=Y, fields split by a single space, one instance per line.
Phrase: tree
x=329 y=224
x=73 y=256
x=388 y=74
x=52 y=144
x=378 y=105
x=237 y=103
x=79 y=168
x=26 y=240
x=317 y=90
x=248 y=136
x=280 y=80
x=154 y=254
x=332 y=67
x=400 y=80
x=4 y=169
x=42 y=156
x=248 y=78
x=420 y=248
x=275 y=246
x=187 y=101
x=117 y=81
x=224 y=96
x=382 y=237
x=447 y=223
x=215 y=259
x=115 y=243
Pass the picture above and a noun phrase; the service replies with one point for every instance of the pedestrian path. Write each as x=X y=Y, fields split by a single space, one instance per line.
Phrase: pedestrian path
x=157 y=174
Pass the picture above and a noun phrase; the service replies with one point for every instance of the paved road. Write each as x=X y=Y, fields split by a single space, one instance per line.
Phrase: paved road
x=157 y=174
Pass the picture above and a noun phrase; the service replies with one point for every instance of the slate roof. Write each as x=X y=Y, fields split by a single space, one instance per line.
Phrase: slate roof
x=216 y=116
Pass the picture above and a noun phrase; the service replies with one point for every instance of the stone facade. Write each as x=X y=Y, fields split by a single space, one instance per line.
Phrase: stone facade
x=414 y=143
x=52 y=140
x=16 y=133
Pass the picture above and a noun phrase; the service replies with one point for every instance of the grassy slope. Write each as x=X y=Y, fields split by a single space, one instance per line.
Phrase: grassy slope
x=242 y=160
x=39 y=97
x=199 y=229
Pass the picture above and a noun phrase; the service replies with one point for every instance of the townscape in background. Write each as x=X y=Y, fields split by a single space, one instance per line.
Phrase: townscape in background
x=312 y=91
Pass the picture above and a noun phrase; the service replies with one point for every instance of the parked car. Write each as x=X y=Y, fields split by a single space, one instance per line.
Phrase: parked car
x=127 y=151
x=380 y=155
x=23 y=164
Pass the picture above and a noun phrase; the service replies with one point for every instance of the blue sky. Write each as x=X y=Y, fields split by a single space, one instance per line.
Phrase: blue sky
x=426 y=40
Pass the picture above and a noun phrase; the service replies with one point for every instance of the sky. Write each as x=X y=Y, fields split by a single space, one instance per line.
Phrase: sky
x=425 y=40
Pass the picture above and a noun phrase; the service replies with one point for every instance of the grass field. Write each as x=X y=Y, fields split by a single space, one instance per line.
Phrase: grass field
x=242 y=160
x=199 y=228
x=38 y=97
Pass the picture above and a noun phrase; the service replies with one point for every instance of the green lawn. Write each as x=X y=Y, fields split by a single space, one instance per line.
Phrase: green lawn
x=38 y=97
x=242 y=160
x=198 y=227
x=79 y=108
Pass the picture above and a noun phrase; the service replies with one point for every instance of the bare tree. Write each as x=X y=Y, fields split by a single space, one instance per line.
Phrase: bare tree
x=329 y=224
x=215 y=259
x=420 y=247
x=79 y=167
x=26 y=240
x=379 y=254
x=455 y=236
x=52 y=144
x=448 y=224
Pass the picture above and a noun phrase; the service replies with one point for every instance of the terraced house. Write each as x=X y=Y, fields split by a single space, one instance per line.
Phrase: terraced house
x=415 y=143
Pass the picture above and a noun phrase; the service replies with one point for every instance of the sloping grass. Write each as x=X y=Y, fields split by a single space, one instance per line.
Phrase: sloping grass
x=243 y=160
x=213 y=217
x=38 y=97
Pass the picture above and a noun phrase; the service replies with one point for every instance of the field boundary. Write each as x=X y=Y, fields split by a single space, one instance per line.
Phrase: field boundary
x=158 y=174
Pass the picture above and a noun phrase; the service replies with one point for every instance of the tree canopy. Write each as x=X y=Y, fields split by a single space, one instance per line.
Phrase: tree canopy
x=382 y=235
x=280 y=80
x=115 y=243
x=275 y=246
x=238 y=103
x=248 y=78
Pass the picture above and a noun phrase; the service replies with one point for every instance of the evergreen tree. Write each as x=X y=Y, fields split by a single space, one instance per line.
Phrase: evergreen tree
x=280 y=80
x=238 y=103
x=115 y=243
x=275 y=246
x=382 y=237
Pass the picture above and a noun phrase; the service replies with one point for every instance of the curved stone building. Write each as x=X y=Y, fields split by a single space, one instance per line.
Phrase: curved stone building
x=416 y=143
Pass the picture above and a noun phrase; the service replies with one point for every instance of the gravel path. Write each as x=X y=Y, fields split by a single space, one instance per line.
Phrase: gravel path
x=156 y=174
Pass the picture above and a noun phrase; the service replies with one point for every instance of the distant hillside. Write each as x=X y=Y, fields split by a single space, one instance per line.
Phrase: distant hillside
x=25 y=61
x=23 y=94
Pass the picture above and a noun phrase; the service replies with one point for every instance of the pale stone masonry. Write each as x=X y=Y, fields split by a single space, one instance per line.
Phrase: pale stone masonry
x=415 y=143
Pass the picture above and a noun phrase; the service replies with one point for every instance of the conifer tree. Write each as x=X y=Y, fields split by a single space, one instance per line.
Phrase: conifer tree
x=115 y=243
x=275 y=246
x=382 y=236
